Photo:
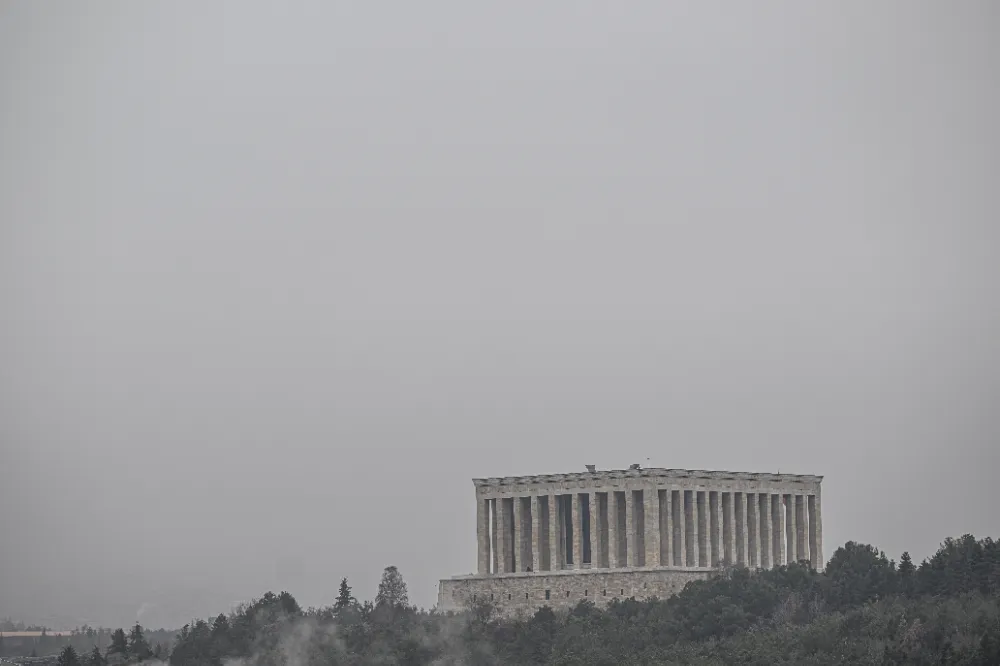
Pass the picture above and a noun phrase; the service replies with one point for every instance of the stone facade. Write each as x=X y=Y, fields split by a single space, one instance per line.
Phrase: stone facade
x=557 y=539
x=527 y=592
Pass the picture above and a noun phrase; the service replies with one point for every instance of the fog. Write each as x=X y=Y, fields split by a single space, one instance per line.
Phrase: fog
x=278 y=279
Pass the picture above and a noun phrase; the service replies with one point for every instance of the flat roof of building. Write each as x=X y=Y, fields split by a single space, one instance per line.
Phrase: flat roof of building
x=650 y=472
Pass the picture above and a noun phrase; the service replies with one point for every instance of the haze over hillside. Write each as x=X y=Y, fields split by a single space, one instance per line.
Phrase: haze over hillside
x=864 y=608
x=277 y=280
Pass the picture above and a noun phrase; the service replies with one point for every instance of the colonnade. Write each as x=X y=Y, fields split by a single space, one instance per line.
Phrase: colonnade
x=646 y=526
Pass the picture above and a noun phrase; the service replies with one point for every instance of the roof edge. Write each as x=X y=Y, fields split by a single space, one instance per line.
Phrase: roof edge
x=650 y=472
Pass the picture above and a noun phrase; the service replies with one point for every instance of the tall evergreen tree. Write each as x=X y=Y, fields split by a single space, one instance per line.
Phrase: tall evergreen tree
x=220 y=627
x=344 y=598
x=96 y=658
x=68 y=657
x=906 y=571
x=221 y=641
x=138 y=646
x=119 y=643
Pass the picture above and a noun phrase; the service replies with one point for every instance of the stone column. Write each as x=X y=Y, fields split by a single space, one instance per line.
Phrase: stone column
x=729 y=524
x=518 y=535
x=802 y=528
x=503 y=521
x=718 y=528
x=764 y=511
x=630 y=540
x=681 y=528
x=714 y=531
x=819 y=530
x=791 y=556
x=753 y=523
x=811 y=519
x=704 y=523
x=555 y=534
x=738 y=528
x=613 y=528
x=742 y=530
x=759 y=527
x=651 y=524
x=595 y=531
x=816 y=531
x=666 y=529
x=577 y=531
x=777 y=532
x=693 y=543
x=527 y=534
x=536 y=535
x=483 y=535
x=493 y=537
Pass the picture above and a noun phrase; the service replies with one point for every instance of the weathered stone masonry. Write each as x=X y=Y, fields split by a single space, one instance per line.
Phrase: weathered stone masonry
x=556 y=539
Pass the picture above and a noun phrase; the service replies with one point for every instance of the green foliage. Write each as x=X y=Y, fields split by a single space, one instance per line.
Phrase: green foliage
x=68 y=657
x=906 y=572
x=119 y=643
x=96 y=658
x=138 y=647
x=862 y=609
x=391 y=589
x=344 y=597
x=83 y=639
x=962 y=565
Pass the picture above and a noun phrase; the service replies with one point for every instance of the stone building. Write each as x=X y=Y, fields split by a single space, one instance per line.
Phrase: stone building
x=556 y=539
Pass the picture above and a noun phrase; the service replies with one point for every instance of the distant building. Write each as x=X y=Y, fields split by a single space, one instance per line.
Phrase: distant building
x=33 y=634
x=14 y=641
x=558 y=539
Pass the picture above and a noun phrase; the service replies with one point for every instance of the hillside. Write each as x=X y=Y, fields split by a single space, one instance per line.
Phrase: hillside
x=862 y=609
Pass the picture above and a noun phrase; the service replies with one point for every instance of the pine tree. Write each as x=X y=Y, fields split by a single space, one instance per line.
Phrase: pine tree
x=96 y=658
x=906 y=571
x=344 y=598
x=220 y=636
x=391 y=589
x=68 y=657
x=138 y=646
x=201 y=638
x=119 y=643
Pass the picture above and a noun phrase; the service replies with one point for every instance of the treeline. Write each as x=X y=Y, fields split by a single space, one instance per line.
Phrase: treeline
x=82 y=639
x=862 y=609
x=123 y=648
x=8 y=625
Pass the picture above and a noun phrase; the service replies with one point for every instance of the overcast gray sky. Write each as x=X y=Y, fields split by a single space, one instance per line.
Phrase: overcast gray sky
x=277 y=279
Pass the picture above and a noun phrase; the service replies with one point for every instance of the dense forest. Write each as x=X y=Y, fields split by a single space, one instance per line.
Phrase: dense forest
x=862 y=609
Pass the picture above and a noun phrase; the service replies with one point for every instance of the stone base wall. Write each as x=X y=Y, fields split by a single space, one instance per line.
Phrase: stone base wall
x=525 y=593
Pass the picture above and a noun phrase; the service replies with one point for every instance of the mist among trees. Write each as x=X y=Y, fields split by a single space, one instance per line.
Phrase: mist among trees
x=864 y=608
